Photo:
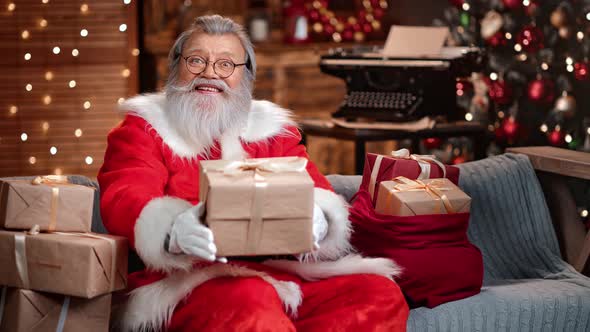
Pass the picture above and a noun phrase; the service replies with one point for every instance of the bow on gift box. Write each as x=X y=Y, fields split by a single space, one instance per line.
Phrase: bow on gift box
x=422 y=159
x=435 y=188
x=259 y=166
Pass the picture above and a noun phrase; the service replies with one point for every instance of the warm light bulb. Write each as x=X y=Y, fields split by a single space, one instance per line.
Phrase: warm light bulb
x=45 y=1
x=580 y=35
x=24 y=137
x=508 y=35
x=544 y=128
x=493 y=76
x=135 y=52
x=29 y=87
x=501 y=114
x=84 y=8
x=75 y=52
x=588 y=131
x=126 y=2
x=27 y=56
x=120 y=100
x=584 y=213
x=588 y=16
x=87 y=105
x=123 y=27
x=517 y=47
x=125 y=72
x=78 y=132
x=88 y=160
x=11 y=7
x=45 y=126
x=526 y=3
x=47 y=99
x=568 y=138
x=56 y=50
x=569 y=68
x=569 y=60
x=43 y=23
x=468 y=116
x=32 y=160
x=544 y=66
x=72 y=84
x=25 y=34
x=48 y=76
x=522 y=57
x=53 y=150
x=83 y=32
x=466 y=6
x=13 y=109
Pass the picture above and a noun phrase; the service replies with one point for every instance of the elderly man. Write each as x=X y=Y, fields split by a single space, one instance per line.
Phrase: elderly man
x=149 y=183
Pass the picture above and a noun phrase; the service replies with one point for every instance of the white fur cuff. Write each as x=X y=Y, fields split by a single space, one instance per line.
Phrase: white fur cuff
x=151 y=228
x=337 y=242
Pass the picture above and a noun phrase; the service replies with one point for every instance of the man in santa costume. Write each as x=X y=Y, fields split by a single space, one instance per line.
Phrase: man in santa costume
x=150 y=181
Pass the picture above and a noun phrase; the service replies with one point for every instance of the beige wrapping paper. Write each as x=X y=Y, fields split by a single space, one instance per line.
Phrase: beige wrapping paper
x=53 y=205
x=72 y=264
x=282 y=199
x=29 y=311
x=398 y=198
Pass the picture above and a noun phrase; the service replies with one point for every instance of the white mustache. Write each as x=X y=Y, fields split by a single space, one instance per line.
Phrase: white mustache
x=221 y=85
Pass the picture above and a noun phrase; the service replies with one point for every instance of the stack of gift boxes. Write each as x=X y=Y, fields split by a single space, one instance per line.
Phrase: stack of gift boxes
x=56 y=274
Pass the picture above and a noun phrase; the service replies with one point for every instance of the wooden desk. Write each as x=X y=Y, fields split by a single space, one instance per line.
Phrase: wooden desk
x=476 y=131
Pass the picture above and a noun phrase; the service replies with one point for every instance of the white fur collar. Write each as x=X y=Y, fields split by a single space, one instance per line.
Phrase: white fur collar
x=265 y=120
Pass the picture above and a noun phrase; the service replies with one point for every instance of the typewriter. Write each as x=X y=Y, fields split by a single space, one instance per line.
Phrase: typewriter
x=400 y=89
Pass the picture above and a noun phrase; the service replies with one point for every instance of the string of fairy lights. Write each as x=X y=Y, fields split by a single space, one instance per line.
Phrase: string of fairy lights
x=26 y=35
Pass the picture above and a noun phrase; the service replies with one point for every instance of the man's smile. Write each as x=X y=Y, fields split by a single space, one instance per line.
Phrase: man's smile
x=208 y=89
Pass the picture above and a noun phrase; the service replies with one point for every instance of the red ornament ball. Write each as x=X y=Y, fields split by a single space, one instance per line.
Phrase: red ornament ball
x=367 y=28
x=329 y=29
x=532 y=8
x=432 y=143
x=497 y=39
x=512 y=4
x=510 y=128
x=314 y=15
x=581 y=71
x=541 y=91
x=556 y=138
x=530 y=38
x=347 y=35
x=378 y=13
x=500 y=92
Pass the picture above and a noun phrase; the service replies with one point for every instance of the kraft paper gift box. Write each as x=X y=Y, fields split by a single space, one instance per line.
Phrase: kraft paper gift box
x=29 y=311
x=84 y=265
x=401 y=163
x=258 y=206
x=405 y=197
x=49 y=202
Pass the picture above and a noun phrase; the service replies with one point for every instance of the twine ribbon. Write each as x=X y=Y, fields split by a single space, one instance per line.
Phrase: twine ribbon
x=260 y=166
x=422 y=159
x=53 y=181
x=435 y=188
x=21 y=253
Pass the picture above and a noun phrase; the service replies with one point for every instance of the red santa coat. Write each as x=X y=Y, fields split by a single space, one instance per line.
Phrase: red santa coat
x=150 y=175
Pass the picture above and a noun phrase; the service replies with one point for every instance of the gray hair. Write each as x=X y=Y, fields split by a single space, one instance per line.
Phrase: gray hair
x=213 y=25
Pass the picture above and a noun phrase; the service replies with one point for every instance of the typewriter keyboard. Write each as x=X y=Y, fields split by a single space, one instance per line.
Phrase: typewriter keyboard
x=404 y=102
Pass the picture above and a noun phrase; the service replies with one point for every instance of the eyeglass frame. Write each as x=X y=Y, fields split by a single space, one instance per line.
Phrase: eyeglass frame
x=207 y=62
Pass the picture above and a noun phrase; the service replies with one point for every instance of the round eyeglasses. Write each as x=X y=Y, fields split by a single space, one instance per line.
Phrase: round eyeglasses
x=223 y=68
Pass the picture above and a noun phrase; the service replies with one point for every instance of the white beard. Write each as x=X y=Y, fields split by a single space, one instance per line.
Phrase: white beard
x=201 y=119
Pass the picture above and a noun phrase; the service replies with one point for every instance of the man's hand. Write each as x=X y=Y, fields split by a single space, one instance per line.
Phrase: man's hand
x=189 y=236
x=320 y=226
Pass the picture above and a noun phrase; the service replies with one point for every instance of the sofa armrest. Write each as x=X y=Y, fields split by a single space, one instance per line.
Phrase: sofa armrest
x=553 y=165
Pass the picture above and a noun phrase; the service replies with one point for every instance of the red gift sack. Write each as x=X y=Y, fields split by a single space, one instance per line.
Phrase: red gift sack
x=401 y=163
x=439 y=263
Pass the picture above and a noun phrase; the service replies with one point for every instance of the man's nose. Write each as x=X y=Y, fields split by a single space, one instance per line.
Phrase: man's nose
x=209 y=71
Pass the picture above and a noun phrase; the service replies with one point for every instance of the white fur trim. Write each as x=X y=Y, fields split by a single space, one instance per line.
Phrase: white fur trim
x=149 y=308
x=231 y=147
x=351 y=264
x=337 y=242
x=265 y=120
x=151 y=228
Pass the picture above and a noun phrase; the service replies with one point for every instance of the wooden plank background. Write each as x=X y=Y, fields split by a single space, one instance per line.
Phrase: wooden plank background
x=105 y=70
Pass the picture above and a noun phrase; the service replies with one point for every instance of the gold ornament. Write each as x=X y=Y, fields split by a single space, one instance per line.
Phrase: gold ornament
x=339 y=27
x=370 y=18
x=566 y=105
x=366 y=4
x=333 y=21
x=490 y=24
x=383 y=4
x=376 y=25
x=337 y=37
x=330 y=14
x=565 y=32
x=359 y=36
x=317 y=5
x=352 y=20
x=558 y=18
x=318 y=27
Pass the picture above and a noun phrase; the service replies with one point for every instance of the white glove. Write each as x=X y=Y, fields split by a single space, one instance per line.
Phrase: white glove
x=189 y=236
x=320 y=226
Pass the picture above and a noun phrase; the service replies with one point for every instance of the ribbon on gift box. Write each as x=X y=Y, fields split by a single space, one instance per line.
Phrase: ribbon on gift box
x=260 y=166
x=435 y=188
x=20 y=253
x=52 y=181
x=422 y=159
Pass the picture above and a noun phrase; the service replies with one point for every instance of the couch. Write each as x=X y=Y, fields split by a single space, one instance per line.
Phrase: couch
x=527 y=284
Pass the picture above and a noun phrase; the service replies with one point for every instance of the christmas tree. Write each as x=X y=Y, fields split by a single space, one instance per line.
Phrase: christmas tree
x=535 y=87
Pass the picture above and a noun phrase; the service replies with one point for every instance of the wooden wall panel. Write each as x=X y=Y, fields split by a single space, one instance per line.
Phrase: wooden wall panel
x=75 y=120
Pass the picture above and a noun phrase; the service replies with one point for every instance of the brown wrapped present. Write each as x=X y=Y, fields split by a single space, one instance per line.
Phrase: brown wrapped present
x=405 y=197
x=26 y=310
x=50 y=202
x=77 y=264
x=258 y=206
